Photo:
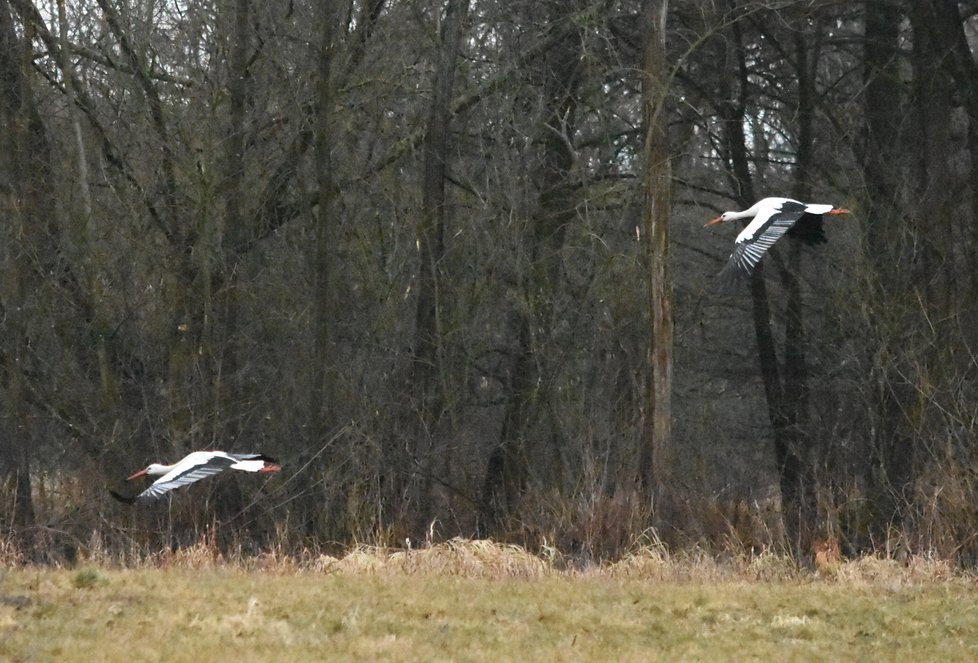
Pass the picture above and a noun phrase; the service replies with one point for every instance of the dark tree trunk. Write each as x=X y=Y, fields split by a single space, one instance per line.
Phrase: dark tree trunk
x=226 y=387
x=935 y=213
x=796 y=458
x=429 y=373
x=785 y=388
x=326 y=226
x=961 y=64
x=879 y=148
x=219 y=259
x=325 y=406
x=732 y=111
x=881 y=153
x=508 y=469
x=28 y=235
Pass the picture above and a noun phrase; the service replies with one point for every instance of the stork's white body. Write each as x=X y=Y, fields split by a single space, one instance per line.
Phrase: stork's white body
x=194 y=467
x=772 y=218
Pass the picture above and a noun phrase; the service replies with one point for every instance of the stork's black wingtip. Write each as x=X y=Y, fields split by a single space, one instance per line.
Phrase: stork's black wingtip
x=122 y=498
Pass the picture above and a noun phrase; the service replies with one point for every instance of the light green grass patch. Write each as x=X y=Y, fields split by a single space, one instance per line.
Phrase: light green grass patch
x=401 y=610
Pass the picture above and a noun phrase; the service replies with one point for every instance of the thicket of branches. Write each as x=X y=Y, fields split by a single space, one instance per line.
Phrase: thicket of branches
x=403 y=247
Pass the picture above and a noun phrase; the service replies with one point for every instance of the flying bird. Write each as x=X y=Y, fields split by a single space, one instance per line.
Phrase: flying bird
x=772 y=218
x=194 y=467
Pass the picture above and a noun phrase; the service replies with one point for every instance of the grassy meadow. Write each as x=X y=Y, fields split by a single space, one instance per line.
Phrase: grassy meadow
x=477 y=601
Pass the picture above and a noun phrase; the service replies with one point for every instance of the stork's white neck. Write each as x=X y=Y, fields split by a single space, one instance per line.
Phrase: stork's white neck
x=748 y=213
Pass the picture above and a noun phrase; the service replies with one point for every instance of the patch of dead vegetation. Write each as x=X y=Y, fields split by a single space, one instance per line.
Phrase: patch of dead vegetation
x=873 y=570
x=10 y=555
x=472 y=559
x=464 y=558
x=486 y=559
x=656 y=564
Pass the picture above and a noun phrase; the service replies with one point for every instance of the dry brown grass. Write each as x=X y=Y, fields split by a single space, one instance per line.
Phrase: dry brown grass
x=472 y=558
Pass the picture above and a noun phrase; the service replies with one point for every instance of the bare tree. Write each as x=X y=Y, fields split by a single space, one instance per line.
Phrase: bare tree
x=558 y=71
x=657 y=467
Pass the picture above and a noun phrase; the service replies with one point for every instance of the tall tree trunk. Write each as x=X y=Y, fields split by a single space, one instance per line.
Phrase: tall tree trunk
x=962 y=66
x=732 y=111
x=229 y=238
x=880 y=144
x=508 y=469
x=220 y=238
x=325 y=406
x=934 y=214
x=429 y=371
x=28 y=231
x=657 y=449
x=891 y=455
x=796 y=458
x=326 y=232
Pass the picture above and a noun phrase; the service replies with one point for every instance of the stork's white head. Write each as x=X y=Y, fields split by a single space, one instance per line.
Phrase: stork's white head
x=155 y=469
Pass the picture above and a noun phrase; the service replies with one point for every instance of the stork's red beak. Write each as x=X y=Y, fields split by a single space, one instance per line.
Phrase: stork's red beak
x=268 y=469
x=838 y=210
x=140 y=473
x=713 y=222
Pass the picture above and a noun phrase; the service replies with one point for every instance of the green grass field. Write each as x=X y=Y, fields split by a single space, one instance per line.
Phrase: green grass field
x=461 y=606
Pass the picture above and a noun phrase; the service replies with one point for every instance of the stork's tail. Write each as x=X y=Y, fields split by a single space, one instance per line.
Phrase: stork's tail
x=122 y=498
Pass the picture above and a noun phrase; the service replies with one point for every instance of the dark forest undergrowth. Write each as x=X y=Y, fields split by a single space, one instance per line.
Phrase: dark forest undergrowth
x=580 y=532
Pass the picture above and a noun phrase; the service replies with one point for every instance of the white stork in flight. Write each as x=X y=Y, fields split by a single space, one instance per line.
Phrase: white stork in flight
x=194 y=467
x=772 y=218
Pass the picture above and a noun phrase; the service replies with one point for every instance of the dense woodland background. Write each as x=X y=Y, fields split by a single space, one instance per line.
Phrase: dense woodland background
x=445 y=261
